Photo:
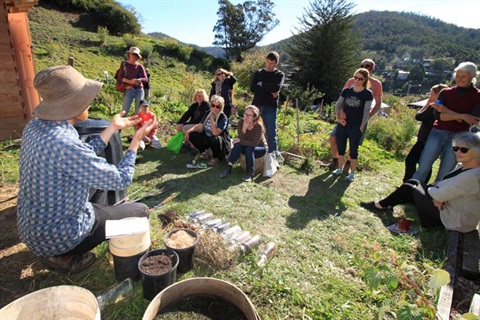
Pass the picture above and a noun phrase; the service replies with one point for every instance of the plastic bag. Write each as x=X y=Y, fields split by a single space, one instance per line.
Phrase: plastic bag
x=175 y=143
x=270 y=165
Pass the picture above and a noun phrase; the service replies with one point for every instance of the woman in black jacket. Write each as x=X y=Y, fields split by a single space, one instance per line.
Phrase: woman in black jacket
x=223 y=86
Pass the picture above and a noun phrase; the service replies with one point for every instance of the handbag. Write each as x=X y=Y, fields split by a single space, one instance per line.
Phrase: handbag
x=119 y=85
x=175 y=143
x=270 y=165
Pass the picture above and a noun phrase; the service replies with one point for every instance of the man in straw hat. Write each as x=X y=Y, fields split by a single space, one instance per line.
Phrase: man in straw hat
x=55 y=219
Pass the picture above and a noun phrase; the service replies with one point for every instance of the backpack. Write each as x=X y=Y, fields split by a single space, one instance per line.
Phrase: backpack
x=119 y=75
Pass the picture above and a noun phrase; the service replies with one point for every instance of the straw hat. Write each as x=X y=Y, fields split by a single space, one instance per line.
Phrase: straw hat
x=135 y=50
x=66 y=93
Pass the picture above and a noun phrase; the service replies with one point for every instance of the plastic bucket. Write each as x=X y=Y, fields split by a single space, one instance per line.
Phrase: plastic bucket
x=126 y=252
x=152 y=284
x=60 y=302
x=184 y=254
x=201 y=287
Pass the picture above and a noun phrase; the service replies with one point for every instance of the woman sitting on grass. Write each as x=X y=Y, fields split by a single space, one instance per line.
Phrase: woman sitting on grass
x=454 y=201
x=251 y=142
x=212 y=132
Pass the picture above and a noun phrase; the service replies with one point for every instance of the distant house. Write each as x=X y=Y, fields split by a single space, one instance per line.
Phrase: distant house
x=402 y=75
x=18 y=97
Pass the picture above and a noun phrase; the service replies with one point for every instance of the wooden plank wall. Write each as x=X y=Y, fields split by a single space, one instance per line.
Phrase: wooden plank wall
x=12 y=117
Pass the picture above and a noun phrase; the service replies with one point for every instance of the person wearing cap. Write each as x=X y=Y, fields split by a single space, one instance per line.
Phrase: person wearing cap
x=266 y=85
x=375 y=86
x=146 y=114
x=135 y=76
x=57 y=170
x=461 y=103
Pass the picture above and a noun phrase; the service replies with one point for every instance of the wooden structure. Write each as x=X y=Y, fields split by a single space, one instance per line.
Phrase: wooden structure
x=18 y=97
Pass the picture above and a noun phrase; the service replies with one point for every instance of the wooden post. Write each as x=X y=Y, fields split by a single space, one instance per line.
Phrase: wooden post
x=298 y=122
x=71 y=60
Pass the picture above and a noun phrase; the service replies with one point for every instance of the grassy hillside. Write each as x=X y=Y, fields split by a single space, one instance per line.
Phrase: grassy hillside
x=58 y=35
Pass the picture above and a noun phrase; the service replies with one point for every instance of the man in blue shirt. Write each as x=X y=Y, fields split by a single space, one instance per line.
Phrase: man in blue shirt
x=57 y=170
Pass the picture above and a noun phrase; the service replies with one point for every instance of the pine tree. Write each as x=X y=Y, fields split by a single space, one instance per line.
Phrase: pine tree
x=323 y=53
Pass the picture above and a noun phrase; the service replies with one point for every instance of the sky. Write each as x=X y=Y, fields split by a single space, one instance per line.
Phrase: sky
x=192 y=21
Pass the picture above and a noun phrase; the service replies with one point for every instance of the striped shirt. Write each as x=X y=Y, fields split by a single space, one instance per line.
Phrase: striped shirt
x=57 y=171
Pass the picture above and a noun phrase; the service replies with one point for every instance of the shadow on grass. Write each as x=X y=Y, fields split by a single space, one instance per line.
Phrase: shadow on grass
x=322 y=200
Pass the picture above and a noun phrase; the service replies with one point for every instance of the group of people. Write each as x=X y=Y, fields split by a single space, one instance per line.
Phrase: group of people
x=60 y=225
x=452 y=200
x=55 y=218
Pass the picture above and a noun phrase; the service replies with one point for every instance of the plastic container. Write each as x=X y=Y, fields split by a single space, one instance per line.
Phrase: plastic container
x=222 y=227
x=60 y=302
x=247 y=246
x=152 y=284
x=185 y=255
x=266 y=253
x=231 y=232
x=115 y=293
x=126 y=252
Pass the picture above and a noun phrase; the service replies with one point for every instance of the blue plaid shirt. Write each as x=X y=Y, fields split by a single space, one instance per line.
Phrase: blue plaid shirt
x=57 y=171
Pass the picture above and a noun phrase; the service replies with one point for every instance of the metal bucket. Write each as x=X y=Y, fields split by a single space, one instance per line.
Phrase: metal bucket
x=60 y=302
x=202 y=287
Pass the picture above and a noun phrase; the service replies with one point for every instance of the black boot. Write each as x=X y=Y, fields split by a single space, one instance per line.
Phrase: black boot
x=226 y=172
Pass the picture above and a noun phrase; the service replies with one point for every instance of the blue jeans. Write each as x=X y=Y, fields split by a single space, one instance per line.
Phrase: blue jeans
x=269 y=116
x=130 y=94
x=439 y=142
x=250 y=154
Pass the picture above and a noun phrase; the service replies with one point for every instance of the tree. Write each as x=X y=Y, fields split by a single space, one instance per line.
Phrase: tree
x=240 y=27
x=323 y=53
x=416 y=74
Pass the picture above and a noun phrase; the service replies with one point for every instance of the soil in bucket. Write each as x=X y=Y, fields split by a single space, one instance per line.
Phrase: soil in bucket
x=183 y=242
x=158 y=270
x=201 y=307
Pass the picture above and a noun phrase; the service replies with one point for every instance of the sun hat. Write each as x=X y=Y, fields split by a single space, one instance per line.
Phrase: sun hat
x=134 y=50
x=66 y=93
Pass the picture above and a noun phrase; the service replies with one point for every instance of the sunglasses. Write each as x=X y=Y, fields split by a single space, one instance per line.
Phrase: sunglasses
x=249 y=115
x=366 y=66
x=217 y=106
x=219 y=74
x=462 y=149
x=358 y=78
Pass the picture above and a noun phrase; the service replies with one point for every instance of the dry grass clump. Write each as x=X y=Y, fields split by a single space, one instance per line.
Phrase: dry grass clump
x=212 y=251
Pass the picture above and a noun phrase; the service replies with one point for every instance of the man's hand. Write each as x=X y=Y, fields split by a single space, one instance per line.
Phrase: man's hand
x=119 y=122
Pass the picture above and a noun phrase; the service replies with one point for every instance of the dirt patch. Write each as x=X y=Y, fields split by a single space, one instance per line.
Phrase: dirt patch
x=158 y=264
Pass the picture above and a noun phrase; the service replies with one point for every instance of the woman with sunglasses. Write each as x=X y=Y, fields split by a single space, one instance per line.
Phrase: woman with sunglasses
x=212 y=132
x=251 y=142
x=354 y=102
x=222 y=86
x=454 y=201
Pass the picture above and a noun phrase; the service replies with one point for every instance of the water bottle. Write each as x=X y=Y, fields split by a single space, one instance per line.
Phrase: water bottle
x=242 y=237
x=212 y=223
x=268 y=251
x=231 y=232
x=222 y=227
x=203 y=218
x=116 y=293
x=195 y=214
x=247 y=246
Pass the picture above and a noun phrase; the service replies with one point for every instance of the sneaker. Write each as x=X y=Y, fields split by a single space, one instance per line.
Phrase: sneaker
x=248 y=178
x=141 y=146
x=337 y=171
x=156 y=144
x=350 y=177
x=346 y=167
x=74 y=264
x=226 y=172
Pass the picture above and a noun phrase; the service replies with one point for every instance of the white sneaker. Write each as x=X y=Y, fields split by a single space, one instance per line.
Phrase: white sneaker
x=350 y=177
x=337 y=172
x=141 y=146
x=156 y=143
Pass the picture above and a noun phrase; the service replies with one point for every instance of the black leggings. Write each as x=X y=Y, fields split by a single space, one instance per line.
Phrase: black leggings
x=102 y=214
x=415 y=192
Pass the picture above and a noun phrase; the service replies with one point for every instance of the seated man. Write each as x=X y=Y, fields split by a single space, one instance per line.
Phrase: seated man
x=57 y=170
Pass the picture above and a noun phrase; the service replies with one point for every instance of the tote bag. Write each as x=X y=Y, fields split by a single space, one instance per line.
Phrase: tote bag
x=270 y=165
x=175 y=143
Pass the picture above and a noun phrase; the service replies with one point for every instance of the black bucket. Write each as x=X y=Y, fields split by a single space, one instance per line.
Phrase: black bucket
x=185 y=254
x=152 y=284
x=127 y=267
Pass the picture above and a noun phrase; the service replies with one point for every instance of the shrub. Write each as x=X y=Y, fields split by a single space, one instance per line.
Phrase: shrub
x=116 y=19
x=102 y=34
